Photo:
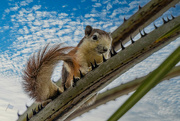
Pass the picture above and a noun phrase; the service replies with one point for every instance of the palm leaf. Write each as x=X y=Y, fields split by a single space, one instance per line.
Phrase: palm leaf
x=151 y=81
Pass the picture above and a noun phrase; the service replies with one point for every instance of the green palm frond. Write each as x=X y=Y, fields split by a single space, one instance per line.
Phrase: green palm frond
x=150 y=82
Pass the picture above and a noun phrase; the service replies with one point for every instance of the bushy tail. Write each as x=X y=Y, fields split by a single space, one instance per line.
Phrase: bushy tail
x=37 y=74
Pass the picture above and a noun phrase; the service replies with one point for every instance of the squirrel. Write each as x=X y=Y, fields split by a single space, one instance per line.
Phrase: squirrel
x=76 y=60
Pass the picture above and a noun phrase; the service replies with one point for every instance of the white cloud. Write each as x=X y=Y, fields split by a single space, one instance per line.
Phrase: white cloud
x=105 y=1
x=97 y=5
x=133 y=5
x=14 y=8
x=64 y=6
x=91 y=20
x=36 y=7
x=37 y=23
x=107 y=25
x=74 y=9
x=113 y=28
x=63 y=15
x=25 y=2
x=93 y=10
x=60 y=33
x=30 y=17
x=78 y=32
x=7 y=10
x=119 y=2
x=109 y=6
x=90 y=15
x=6 y=27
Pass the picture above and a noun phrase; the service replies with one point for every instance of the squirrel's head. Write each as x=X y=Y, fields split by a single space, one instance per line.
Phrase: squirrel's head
x=96 y=41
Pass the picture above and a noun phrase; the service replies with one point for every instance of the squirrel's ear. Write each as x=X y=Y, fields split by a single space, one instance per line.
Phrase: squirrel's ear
x=88 y=30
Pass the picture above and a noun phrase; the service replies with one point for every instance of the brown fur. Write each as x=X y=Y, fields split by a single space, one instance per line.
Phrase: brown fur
x=40 y=66
x=38 y=71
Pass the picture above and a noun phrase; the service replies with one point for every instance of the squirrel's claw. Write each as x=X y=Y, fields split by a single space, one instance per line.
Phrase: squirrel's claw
x=74 y=81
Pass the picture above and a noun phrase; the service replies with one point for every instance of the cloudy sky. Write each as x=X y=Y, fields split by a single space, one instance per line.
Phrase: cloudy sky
x=27 y=25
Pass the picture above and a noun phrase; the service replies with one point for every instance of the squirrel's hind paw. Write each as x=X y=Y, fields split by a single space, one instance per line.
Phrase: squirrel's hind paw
x=44 y=103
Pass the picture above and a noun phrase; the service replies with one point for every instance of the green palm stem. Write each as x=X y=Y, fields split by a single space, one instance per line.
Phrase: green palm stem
x=151 y=81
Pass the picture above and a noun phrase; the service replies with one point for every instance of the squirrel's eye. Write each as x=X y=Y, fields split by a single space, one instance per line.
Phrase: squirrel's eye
x=95 y=37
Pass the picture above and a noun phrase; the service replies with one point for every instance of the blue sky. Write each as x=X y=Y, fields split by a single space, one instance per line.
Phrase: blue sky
x=27 y=25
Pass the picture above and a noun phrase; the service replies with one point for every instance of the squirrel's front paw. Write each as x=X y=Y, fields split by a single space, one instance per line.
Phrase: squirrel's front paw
x=75 y=79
